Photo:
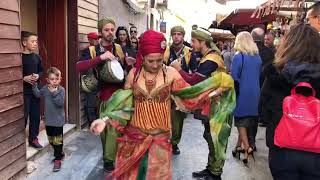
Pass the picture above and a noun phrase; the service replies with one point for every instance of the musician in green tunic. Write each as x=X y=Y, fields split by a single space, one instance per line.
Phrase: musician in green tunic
x=188 y=63
x=210 y=63
x=94 y=57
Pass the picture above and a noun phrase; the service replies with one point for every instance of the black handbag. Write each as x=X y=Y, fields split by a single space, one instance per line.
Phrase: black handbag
x=236 y=83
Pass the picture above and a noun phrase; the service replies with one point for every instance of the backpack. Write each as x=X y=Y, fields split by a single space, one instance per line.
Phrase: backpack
x=299 y=127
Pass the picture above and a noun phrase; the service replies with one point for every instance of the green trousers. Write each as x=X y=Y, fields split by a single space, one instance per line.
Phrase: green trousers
x=177 y=118
x=109 y=143
x=214 y=166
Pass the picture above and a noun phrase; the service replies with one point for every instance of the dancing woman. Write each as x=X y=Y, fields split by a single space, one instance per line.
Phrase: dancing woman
x=142 y=112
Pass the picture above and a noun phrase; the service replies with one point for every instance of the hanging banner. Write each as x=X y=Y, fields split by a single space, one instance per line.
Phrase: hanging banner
x=163 y=27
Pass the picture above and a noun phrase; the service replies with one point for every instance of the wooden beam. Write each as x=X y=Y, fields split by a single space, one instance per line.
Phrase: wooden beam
x=12 y=156
x=14 y=168
x=9 y=17
x=9 y=31
x=10 y=60
x=73 y=57
x=11 y=46
x=12 y=5
x=11 y=129
x=11 y=102
x=11 y=115
x=87 y=14
x=10 y=88
x=88 y=6
x=11 y=143
x=10 y=74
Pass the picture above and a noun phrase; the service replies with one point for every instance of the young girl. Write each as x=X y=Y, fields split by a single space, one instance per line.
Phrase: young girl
x=54 y=95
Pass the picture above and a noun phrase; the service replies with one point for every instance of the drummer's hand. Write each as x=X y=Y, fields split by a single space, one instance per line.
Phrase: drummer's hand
x=97 y=126
x=107 y=56
x=130 y=61
x=176 y=64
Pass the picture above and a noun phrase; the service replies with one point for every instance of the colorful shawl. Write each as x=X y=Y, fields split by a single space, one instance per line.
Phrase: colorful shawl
x=120 y=106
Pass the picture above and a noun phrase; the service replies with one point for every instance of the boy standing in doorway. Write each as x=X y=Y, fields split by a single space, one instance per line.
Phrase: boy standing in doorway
x=32 y=70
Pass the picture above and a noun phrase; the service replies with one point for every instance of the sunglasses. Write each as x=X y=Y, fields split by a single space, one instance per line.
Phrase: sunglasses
x=133 y=31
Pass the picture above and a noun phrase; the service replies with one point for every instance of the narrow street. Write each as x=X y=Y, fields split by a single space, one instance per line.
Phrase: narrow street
x=83 y=158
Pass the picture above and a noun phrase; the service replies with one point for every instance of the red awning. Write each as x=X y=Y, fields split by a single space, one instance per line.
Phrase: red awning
x=243 y=17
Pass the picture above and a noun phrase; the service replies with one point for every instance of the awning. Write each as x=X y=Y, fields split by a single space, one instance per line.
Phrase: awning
x=274 y=6
x=243 y=17
x=222 y=34
x=224 y=1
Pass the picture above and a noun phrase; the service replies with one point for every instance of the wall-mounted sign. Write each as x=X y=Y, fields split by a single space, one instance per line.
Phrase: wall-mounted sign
x=163 y=27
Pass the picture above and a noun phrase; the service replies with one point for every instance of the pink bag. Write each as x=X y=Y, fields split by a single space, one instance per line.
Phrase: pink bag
x=299 y=127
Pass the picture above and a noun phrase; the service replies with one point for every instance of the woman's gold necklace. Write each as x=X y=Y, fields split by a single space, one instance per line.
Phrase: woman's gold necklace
x=150 y=84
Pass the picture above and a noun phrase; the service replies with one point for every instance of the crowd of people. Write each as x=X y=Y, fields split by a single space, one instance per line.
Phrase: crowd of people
x=140 y=118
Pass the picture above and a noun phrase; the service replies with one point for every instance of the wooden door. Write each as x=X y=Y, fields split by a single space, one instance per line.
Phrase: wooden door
x=52 y=38
x=52 y=34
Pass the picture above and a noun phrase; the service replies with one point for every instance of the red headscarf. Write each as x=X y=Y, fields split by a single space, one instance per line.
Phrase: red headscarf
x=151 y=42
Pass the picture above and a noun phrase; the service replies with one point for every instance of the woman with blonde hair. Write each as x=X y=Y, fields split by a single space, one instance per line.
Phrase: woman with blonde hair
x=246 y=70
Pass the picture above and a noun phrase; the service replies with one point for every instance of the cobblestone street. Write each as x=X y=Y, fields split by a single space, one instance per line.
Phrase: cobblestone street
x=83 y=160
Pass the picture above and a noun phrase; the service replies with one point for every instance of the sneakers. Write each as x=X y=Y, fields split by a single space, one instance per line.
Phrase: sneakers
x=201 y=174
x=62 y=157
x=57 y=165
x=206 y=175
x=108 y=167
x=175 y=149
x=35 y=144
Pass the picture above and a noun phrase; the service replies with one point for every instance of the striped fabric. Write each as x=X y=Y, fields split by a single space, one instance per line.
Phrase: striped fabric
x=152 y=115
x=152 y=112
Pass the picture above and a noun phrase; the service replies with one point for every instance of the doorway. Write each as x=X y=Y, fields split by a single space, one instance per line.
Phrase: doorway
x=48 y=19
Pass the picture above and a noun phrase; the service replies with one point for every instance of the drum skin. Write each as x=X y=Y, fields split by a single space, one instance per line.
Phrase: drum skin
x=111 y=71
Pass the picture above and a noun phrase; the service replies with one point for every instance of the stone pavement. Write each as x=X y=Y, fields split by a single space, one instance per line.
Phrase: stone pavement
x=83 y=160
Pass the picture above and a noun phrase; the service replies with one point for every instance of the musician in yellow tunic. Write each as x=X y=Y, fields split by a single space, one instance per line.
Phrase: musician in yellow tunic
x=210 y=63
x=188 y=64
x=94 y=57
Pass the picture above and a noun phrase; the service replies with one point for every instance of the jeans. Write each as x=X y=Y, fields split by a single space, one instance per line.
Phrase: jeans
x=288 y=164
x=32 y=111
x=91 y=107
